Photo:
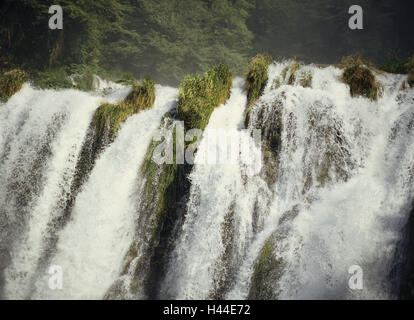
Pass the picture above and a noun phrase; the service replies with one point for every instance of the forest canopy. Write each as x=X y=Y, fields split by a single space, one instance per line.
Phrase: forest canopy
x=168 y=39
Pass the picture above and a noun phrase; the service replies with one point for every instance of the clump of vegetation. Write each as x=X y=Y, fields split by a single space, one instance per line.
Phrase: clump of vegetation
x=306 y=79
x=200 y=95
x=276 y=83
x=257 y=77
x=410 y=69
x=52 y=79
x=360 y=79
x=266 y=273
x=164 y=180
x=11 y=82
x=142 y=97
x=111 y=115
x=410 y=79
x=284 y=72
x=294 y=67
x=75 y=76
x=394 y=65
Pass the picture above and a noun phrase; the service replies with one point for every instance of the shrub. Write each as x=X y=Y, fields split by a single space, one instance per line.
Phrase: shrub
x=257 y=76
x=360 y=79
x=52 y=79
x=11 y=82
x=199 y=96
x=394 y=65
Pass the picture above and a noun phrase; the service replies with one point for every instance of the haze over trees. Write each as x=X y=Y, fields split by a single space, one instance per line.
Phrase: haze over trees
x=171 y=38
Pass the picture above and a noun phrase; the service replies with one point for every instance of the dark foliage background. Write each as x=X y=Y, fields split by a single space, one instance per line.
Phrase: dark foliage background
x=170 y=38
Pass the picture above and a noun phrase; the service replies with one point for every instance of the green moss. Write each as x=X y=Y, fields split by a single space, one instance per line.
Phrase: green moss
x=266 y=273
x=141 y=97
x=306 y=79
x=407 y=272
x=10 y=83
x=284 y=72
x=360 y=79
x=257 y=76
x=410 y=69
x=409 y=65
x=200 y=95
x=294 y=67
x=111 y=115
x=160 y=187
x=276 y=83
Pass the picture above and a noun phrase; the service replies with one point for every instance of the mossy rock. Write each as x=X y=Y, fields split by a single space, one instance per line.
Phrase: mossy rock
x=11 y=82
x=141 y=97
x=266 y=273
x=199 y=96
x=361 y=80
x=407 y=272
x=257 y=76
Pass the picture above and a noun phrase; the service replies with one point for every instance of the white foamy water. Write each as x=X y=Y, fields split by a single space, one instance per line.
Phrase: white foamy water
x=339 y=192
x=354 y=218
x=30 y=121
x=91 y=247
x=216 y=191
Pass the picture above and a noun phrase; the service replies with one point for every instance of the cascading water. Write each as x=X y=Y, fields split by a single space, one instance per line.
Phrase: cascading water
x=219 y=212
x=91 y=247
x=340 y=198
x=335 y=189
x=341 y=192
x=41 y=135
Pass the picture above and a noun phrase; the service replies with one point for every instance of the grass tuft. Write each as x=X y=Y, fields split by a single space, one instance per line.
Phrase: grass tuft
x=142 y=97
x=200 y=95
x=294 y=67
x=360 y=79
x=409 y=65
x=257 y=77
x=11 y=82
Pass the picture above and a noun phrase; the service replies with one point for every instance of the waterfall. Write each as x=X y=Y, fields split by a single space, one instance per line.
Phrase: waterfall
x=343 y=185
x=91 y=248
x=41 y=135
x=342 y=190
x=218 y=197
x=333 y=189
